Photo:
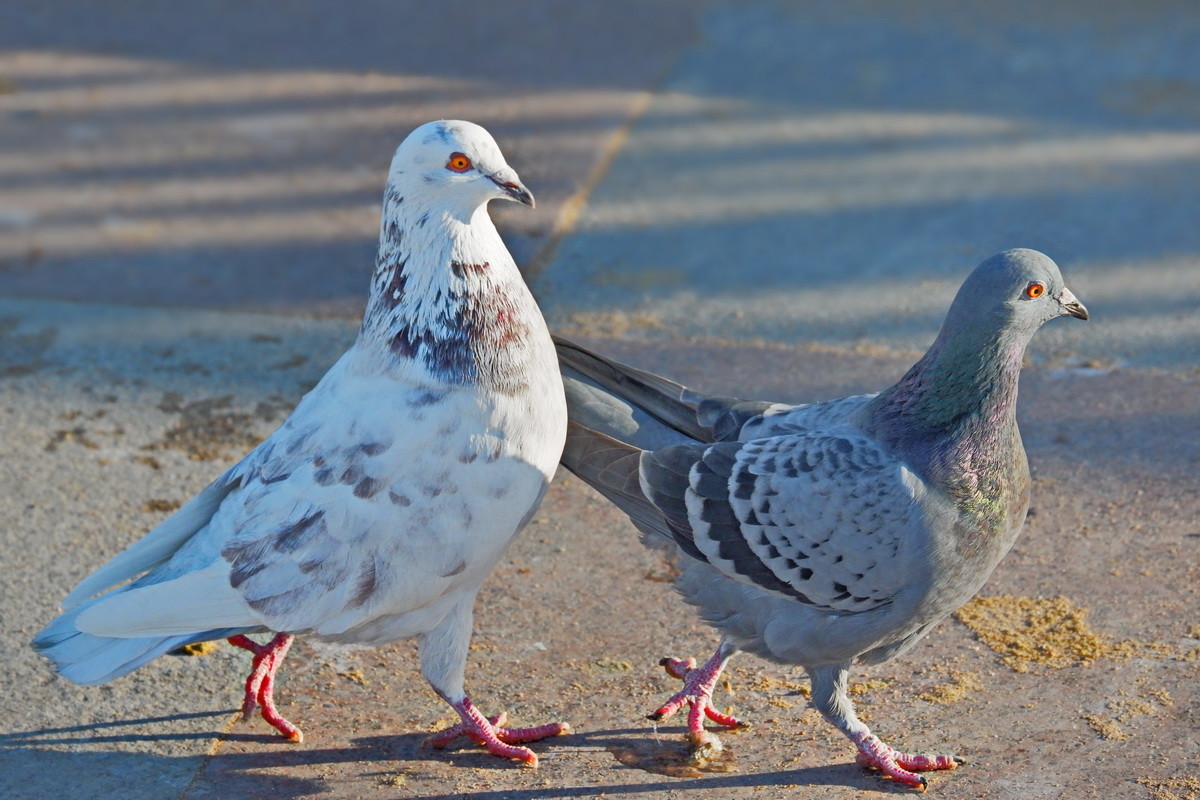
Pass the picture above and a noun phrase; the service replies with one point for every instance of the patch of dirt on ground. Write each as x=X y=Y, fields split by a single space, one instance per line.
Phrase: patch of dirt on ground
x=766 y=684
x=196 y=649
x=1125 y=708
x=1046 y=631
x=1187 y=788
x=962 y=683
x=1106 y=728
x=873 y=685
x=78 y=434
x=676 y=758
x=207 y=429
x=81 y=435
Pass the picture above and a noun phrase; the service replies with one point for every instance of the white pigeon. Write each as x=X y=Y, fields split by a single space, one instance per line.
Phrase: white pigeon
x=836 y=532
x=377 y=509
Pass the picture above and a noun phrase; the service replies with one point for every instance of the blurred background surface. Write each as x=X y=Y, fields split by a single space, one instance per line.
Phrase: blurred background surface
x=789 y=172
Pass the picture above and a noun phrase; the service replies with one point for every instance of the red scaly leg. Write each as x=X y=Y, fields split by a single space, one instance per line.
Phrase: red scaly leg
x=260 y=685
x=830 y=696
x=874 y=754
x=698 y=686
x=492 y=734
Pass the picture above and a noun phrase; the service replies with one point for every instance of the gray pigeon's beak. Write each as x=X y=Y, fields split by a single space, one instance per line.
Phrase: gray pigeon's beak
x=1071 y=305
x=512 y=188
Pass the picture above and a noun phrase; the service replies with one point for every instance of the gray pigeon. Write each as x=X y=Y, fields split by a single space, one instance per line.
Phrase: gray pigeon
x=378 y=508
x=831 y=533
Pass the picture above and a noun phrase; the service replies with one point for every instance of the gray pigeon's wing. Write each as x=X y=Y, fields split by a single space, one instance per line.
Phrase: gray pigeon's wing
x=819 y=518
x=780 y=420
x=727 y=417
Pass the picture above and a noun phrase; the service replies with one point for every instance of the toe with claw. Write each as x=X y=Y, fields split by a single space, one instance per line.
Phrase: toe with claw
x=491 y=733
x=902 y=767
x=698 y=686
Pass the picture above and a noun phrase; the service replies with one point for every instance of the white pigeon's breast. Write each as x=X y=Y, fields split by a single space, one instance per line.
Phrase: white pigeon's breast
x=377 y=499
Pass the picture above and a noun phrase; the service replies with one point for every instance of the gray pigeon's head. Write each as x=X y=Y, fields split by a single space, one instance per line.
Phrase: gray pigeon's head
x=1019 y=289
x=457 y=164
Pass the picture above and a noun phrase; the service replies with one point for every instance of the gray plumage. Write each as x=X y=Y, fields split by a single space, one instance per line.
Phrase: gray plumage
x=835 y=532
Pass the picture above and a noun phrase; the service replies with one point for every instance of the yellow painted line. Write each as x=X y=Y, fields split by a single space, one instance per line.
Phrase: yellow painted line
x=212 y=751
x=569 y=216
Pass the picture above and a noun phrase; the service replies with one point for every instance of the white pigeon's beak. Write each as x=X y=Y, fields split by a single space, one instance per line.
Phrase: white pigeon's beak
x=1070 y=305
x=511 y=186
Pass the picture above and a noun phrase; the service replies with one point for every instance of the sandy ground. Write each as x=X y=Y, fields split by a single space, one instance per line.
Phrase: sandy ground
x=765 y=199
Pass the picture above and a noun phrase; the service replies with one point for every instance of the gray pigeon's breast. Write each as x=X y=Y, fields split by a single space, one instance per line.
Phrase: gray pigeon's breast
x=964 y=551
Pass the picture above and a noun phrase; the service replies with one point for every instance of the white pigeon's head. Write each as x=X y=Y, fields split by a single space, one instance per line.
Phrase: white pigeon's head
x=455 y=163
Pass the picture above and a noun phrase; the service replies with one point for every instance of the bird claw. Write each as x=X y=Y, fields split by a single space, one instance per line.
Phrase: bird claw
x=491 y=734
x=698 y=685
x=678 y=667
x=902 y=767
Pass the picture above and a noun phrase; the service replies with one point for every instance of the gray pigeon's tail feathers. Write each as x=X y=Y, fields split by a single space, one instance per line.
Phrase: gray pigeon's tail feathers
x=611 y=467
x=631 y=390
x=643 y=408
x=90 y=660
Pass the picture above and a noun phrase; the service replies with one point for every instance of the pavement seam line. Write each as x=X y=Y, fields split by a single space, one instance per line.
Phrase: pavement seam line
x=212 y=752
x=574 y=205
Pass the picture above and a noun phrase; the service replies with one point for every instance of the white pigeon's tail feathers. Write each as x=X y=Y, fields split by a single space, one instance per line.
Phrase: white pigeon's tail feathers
x=642 y=408
x=194 y=601
x=157 y=546
x=90 y=660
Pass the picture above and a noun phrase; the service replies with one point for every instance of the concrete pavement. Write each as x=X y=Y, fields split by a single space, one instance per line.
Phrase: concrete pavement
x=829 y=172
x=760 y=197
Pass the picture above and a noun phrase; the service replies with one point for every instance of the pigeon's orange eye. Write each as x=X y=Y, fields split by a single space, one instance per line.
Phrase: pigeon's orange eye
x=458 y=163
x=1035 y=290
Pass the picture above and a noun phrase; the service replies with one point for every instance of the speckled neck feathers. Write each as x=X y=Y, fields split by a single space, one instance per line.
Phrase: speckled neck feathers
x=446 y=297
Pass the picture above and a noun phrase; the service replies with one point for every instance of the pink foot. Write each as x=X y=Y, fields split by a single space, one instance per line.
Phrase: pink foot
x=874 y=754
x=260 y=685
x=698 y=686
x=492 y=734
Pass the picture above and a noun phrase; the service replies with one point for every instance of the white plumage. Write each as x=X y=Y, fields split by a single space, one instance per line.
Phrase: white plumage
x=377 y=509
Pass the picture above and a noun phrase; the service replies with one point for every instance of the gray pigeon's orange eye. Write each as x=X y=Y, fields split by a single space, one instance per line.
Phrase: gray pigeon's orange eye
x=458 y=163
x=1035 y=290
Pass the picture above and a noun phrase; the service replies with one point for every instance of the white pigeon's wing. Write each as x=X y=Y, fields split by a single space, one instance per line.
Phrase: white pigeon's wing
x=157 y=546
x=817 y=518
x=196 y=601
x=184 y=586
x=379 y=502
x=161 y=544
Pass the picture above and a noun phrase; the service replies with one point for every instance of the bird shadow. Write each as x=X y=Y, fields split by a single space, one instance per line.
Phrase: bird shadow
x=665 y=764
x=638 y=765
